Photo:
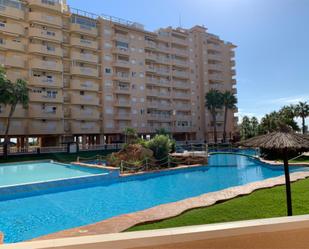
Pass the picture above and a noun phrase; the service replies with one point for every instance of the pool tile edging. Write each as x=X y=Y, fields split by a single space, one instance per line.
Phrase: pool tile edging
x=169 y=210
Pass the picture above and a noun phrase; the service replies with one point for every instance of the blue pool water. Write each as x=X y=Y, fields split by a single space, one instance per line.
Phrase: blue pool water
x=21 y=173
x=33 y=216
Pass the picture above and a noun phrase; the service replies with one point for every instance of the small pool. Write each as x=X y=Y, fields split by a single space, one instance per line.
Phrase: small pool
x=23 y=173
x=32 y=216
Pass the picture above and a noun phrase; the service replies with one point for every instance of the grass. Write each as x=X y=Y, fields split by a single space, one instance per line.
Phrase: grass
x=302 y=159
x=265 y=203
x=60 y=157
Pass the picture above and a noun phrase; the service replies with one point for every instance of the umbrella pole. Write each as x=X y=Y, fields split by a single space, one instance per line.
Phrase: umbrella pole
x=287 y=184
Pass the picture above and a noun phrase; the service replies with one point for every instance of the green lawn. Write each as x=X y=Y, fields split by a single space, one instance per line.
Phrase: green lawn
x=303 y=159
x=60 y=157
x=260 y=204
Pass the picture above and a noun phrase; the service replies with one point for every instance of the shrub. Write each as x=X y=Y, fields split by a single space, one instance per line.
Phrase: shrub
x=161 y=145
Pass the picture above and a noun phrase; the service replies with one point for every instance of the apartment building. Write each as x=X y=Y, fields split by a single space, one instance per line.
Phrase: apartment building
x=92 y=76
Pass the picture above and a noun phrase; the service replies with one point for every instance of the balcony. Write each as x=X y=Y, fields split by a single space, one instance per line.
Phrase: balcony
x=88 y=113
x=182 y=95
x=215 y=67
x=180 y=52
x=122 y=89
x=38 y=127
x=43 y=81
x=52 y=35
x=122 y=64
x=46 y=96
x=43 y=17
x=87 y=127
x=121 y=50
x=87 y=99
x=232 y=63
x=84 y=43
x=16 y=13
x=159 y=117
x=151 y=56
x=234 y=90
x=46 y=112
x=86 y=85
x=122 y=76
x=232 y=54
x=50 y=4
x=215 y=57
x=163 y=60
x=83 y=29
x=12 y=28
x=123 y=116
x=122 y=38
x=150 y=44
x=87 y=57
x=85 y=71
x=12 y=45
x=233 y=72
x=46 y=65
x=17 y=127
x=234 y=82
x=162 y=71
x=158 y=93
x=183 y=107
x=181 y=74
x=216 y=77
x=212 y=46
x=14 y=62
x=43 y=49
x=183 y=42
x=183 y=85
x=181 y=63
x=19 y=112
x=122 y=103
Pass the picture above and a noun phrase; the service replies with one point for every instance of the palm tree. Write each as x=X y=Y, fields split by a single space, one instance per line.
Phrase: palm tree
x=130 y=135
x=12 y=94
x=214 y=102
x=229 y=102
x=302 y=111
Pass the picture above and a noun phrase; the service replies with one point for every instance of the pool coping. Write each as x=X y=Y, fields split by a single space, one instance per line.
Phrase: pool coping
x=123 y=222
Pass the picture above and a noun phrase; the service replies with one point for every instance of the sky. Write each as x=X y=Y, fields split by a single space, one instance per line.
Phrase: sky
x=272 y=38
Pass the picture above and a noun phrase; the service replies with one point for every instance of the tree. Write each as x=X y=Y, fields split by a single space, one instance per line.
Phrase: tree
x=130 y=135
x=162 y=131
x=161 y=145
x=302 y=111
x=229 y=102
x=213 y=103
x=12 y=94
x=245 y=128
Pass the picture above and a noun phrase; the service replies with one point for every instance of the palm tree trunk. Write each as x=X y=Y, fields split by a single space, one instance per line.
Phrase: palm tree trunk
x=303 y=124
x=6 y=134
x=224 y=126
x=214 y=118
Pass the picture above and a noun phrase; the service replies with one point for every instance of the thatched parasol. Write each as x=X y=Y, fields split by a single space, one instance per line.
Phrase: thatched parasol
x=282 y=142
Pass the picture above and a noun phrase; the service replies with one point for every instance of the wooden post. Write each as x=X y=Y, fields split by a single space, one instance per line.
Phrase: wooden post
x=287 y=183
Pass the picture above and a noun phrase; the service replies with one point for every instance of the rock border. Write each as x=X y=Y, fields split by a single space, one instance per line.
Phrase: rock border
x=169 y=210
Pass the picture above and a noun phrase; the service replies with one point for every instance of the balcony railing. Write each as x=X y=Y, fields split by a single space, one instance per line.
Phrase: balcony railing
x=46 y=65
x=45 y=18
x=53 y=35
x=12 y=45
x=43 y=49
x=12 y=28
x=50 y=4
x=85 y=71
x=17 y=13
x=86 y=43
x=93 y=31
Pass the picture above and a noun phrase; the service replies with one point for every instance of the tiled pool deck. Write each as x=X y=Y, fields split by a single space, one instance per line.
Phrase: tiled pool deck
x=123 y=222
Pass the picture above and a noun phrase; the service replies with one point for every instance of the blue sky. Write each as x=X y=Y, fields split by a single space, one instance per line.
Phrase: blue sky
x=272 y=37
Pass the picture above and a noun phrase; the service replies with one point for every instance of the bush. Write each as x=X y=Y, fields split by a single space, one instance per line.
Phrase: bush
x=161 y=145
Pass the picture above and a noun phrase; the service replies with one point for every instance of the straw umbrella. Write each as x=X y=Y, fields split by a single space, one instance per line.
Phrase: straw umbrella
x=282 y=142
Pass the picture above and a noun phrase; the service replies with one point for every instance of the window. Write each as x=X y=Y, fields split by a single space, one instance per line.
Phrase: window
x=82 y=93
x=108 y=70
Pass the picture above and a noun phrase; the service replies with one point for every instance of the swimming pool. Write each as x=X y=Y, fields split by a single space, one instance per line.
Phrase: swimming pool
x=23 y=173
x=26 y=218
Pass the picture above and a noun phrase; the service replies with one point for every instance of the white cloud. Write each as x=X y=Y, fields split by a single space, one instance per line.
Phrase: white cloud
x=289 y=100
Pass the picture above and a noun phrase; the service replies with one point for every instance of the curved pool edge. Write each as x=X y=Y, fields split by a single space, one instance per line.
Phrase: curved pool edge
x=170 y=210
x=260 y=159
